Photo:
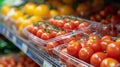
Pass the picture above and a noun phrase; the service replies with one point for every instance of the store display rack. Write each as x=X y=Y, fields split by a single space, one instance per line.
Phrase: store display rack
x=39 y=56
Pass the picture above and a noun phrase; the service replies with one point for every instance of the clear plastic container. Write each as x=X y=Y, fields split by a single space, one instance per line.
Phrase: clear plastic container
x=72 y=61
x=61 y=39
x=69 y=60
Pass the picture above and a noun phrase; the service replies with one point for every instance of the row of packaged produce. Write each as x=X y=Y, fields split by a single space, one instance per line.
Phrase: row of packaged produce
x=75 y=45
x=10 y=55
x=76 y=41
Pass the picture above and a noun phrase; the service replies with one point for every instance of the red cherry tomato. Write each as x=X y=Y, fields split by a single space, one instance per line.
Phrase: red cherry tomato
x=30 y=28
x=53 y=34
x=45 y=36
x=107 y=37
x=94 y=43
x=60 y=33
x=76 y=23
x=34 y=30
x=85 y=53
x=84 y=44
x=51 y=20
x=97 y=58
x=40 y=32
x=83 y=25
x=113 y=50
x=73 y=48
x=50 y=46
x=109 y=62
x=68 y=27
x=104 y=43
x=62 y=57
x=60 y=23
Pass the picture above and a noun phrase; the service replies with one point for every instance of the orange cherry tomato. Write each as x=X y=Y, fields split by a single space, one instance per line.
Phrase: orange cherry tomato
x=109 y=62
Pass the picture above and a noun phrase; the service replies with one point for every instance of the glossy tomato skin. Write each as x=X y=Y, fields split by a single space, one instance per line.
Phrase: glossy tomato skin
x=113 y=50
x=53 y=34
x=30 y=28
x=50 y=46
x=97 y=58
x=75 y=23
x=83 y=25
x=67 y=26
x=73 y=48
x=45 y=36
x=107 y=37
x=94 y=43
x=39 y=33
x=51 y=20
x=60 y=23
x=34 y=30
x=105 y=43
x=85 y=54
x=109 y=62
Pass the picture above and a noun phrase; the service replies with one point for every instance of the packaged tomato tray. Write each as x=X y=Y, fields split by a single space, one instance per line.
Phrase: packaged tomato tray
x=87 y=50
x=49 y=35
x=17 y=60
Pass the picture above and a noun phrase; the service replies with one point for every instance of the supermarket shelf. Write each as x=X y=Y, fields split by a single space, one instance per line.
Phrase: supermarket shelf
x=39 y=56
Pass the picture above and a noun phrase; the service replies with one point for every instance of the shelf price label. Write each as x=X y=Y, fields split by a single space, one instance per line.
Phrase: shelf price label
x=14 y=39
x=46 y=64
x=24 y=48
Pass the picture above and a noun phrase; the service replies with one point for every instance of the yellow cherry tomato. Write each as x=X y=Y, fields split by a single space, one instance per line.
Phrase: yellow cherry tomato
x=41 y=10
x=54 y=13
x=5 y=9
x=17 y=14
x=35 y=19
x=19 y=21
x=65 y=10
x=23 y=25
x=29 y=8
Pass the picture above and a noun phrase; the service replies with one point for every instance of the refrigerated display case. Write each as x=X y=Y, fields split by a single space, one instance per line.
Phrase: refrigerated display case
x=46 y=15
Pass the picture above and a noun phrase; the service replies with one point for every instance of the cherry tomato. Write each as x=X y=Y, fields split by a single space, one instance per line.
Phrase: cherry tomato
x=76 y=23
x=84 y=44
x=45 y=36
x=30 y=28
x=113 y=50
x=34 y=30
x=85 y=53
x=105 y=30
x=51 y=20
x=83 y=25
x=109 y=62
x=60 y=23
x=73 y=48
x=97 y=58
x=105 y=43
x=94 y=43
x=62 y=57
x=107 y=37
x=39 y=32
x=50 y=46
x=53 y=33
x=60 y=33
x=67 y=26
